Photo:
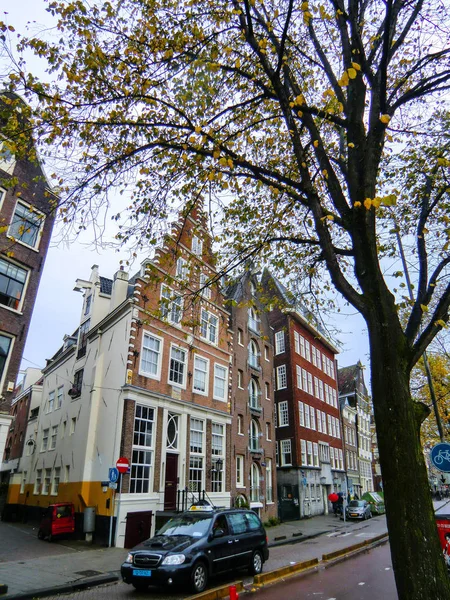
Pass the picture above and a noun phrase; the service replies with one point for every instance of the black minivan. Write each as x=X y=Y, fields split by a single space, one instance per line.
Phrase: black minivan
x=196 y=544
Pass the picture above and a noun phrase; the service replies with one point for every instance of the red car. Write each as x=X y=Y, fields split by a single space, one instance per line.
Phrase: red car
x=58 y=519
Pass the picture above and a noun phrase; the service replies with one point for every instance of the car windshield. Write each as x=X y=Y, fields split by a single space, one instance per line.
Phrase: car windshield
x=193 y=525
x=356 y=503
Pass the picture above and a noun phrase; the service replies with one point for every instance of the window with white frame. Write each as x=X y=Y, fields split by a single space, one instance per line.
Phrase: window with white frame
x=303 y=452
x=321 y=396
x=313 y=355
x=302 y=346
x=54 y=437
x=59 y=397
x=324 y=453
x=172 y=436
x=240 y=337
x=26 y=224
x=338 y=429
x=47 y=481
x=240 y=425
x=286 y=452
x=44 y=443
x=171 y=305
x=280 y=345
x=51 y=401
x=319 y=420
x=197 y=246
x=269 y=483
x=266 y=353
x=38 y=482
x=220 y=382
x=307 y=351
x=309 y=452
x=324 y=423
x=5 y=346
x=254 y=483
x=240 y=471
x=281 y=377
x=330 y=428
x=301 y=413
x=253 y=321
x=327 y=394
x=200 y=380
x=307 y=417
x=142 y=450
x=316 y=387
x=151 y=353
x=182 y=268
x=312 y=412
x=267 y=387
x=217 y=451
x=253 y=354
x=204 y=287
x=333 y=426
x=254 y=394
x=56 y=480
x=12 y=284
x=310 y=384
x=254 y=436
x=268 y=432
x=209 y=326
x=341 y=462
x=240 y=379
x=7 y=162
x=296 y=342
x=283 y=414
x=316 y=454
x=177 y=366
x=196 y=459
x=333 y=464
x=298 y=371
x=304 y=380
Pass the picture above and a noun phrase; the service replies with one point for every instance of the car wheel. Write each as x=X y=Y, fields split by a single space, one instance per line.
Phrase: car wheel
x=140 y=586
x=199 y=577
x=257 y=563
x=41 y=535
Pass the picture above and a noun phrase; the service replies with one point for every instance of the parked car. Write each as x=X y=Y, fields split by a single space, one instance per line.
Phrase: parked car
x=195 y=545
x=358 y=509
x=57 y=519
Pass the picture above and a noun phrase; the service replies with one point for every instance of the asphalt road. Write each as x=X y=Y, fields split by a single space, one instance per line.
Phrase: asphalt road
x=366 y=576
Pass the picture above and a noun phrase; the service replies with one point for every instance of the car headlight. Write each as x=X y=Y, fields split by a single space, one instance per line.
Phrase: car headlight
x=174 y=559
x=129 y=558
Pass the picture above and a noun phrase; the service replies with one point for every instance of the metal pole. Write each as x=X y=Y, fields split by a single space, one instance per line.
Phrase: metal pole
x=424 y=355
x=111 y=518
x=118 y=507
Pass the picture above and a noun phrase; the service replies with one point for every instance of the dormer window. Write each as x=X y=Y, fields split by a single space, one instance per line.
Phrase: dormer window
x=253 y=321
x=197 y=246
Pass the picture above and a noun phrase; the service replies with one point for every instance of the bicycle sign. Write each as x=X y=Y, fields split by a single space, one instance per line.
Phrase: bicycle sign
x=440 y=457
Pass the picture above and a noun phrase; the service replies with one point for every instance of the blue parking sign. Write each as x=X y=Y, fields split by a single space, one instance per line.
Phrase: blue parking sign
x=440 y=457
x=113 y=474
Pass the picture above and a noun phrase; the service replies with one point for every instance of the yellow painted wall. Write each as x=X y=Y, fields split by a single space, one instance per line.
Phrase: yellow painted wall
x=81 y=494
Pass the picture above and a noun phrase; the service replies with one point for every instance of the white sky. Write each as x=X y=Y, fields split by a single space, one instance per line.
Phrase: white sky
x=58 y=307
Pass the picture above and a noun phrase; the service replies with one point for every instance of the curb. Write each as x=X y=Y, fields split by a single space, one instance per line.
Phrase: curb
x=263 y=578
x=74 y=586
x=217 y=593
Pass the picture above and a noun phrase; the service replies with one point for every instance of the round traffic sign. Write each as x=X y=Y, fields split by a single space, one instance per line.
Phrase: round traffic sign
x=123 y=464
x=440 y=457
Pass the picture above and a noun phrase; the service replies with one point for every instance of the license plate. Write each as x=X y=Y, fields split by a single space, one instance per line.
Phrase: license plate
x=354 y=515
x=141 y=573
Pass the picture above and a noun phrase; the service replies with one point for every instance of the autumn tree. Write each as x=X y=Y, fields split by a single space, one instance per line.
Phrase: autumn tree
x=304 y=117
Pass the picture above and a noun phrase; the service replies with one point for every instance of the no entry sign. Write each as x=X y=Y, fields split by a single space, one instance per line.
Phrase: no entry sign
x=123 y=464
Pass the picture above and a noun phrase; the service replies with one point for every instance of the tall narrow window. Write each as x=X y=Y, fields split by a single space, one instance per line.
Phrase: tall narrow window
x=281 y=377
x=142 y=450
x=59 y=397
x=280 y=345
x=38 y=482
x=12 y=284
x=240 y=471
x=297 y=342
x=286 y=456
x=254 y=483
x=50 y=401
x=254 y=436
x=172 y=432
x=44 y=444
x=204 y=287
x=283 y=414
x=253 y=354
x=269 y=484
x=53 y=437
x=220 y=382
x=171 y=305
x=253 y=321
x=301 y=413
x=197 y=246
x=209 y=326
x=217 y=445
x=200 y=383
x=151 y=356
x=55 y=481
x=177 y=368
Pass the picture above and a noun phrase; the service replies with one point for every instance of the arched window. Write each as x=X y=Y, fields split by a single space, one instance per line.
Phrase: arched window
x=254 y=435
x=253 y=321
x=254 y=483
x=254 y=394
x=253 y=354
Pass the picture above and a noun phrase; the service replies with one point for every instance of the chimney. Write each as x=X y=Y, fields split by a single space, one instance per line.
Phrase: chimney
x=119 y=288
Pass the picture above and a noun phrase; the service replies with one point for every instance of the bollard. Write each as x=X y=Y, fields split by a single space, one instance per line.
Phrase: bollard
x=233 y=593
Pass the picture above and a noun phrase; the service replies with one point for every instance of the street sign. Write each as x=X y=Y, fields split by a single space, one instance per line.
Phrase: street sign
x=440 y=457
x=123 y=464
x=113 y=485
x=113 y=474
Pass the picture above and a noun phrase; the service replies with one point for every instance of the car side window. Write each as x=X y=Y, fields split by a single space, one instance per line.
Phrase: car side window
x=221 y=523
x=237 y=523
x=253 y=523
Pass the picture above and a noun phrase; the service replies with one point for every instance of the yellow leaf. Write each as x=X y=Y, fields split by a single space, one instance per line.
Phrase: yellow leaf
x=351 y=145
x=356 y=66
x=424 y=308
x=230 y=163
x=315 y=143
x=441 y=323
x=385 y=119
x=368 y=203
x=343 y=81
x=216 y=153
x=198 y=129
x=376 y=202
x=357 y=204
x=352 y=73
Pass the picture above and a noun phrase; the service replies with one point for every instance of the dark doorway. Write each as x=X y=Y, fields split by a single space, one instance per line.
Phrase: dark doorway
x=170 y=489
x=139 y=525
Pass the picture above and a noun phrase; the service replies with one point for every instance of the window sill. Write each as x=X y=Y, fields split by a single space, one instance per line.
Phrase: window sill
x=13 y=310
x=16 y=241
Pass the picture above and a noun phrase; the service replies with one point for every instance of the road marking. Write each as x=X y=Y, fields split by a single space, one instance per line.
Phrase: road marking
x=346 y=534
x=364 y=535
x=333 y=533
x=362 y=583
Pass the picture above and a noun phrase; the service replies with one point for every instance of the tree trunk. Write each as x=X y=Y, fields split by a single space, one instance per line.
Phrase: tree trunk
x=417 y=558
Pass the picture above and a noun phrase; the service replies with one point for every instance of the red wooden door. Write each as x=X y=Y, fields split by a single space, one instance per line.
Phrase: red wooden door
x=170 y=489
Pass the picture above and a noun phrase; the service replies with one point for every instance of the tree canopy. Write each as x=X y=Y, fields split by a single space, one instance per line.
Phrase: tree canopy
x=311 y=123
